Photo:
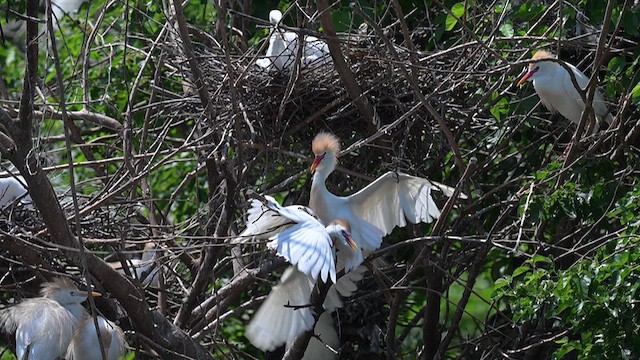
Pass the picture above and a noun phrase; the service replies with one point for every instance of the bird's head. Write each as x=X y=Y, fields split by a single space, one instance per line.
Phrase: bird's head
x=275 y=16
x=540 y=68
x=64 y=291
x=341 y=230
x=326 y=147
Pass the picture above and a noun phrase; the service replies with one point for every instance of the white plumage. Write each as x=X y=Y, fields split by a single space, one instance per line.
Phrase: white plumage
x=12 y=188
x=553 y=85
x=44 y=326
x=143 y=269
x=283 y=47
x=299 y=237
x=280 y=319
x=276 y=322
x=307 y=244
x=377 y=209
x=85 y=344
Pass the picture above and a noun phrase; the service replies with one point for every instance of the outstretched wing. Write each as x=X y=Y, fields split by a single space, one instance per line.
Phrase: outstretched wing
x=396 y=197
x=308 y=246
x=283 y=315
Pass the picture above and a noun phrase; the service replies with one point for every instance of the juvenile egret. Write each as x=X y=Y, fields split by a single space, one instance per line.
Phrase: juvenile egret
x=375 y=210
x=283 y=47
x=44 y=325
x=85 y=344
x=553 y=85
x=12 y=188
x=305 y=242
x=144 y=269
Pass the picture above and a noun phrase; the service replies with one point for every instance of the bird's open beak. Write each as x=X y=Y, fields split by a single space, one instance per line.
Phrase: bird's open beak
x=316 y=162
x=524 y=78
x=351 y=242
x=527 y=76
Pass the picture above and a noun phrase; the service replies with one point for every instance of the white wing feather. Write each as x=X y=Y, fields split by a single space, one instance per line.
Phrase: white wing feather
x=599 y=105
x=308 y=246
x=326 y=331
x=394 y=198
x=274 y=325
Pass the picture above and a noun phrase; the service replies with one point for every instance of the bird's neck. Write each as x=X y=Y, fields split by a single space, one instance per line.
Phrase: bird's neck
x=77 y=311
x=320 y=195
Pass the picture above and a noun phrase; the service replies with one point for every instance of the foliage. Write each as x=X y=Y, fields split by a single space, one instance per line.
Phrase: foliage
x=540 y=262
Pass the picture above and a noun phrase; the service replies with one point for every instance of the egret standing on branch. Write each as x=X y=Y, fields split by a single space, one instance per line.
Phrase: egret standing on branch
x=558 y=94
x=44 y=325
x=375 y=210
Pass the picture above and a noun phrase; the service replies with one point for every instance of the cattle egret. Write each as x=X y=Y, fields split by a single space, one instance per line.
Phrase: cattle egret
x=297 y=235
x=144 y=269
x=85 y=344
x=12 y=188
x=558 y=94
x=283 y=46
x=375 y=210
x=44 y=325
x=305 y=242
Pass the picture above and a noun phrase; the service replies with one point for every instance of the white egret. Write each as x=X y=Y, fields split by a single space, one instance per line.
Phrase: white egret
x=44 y=325
x=85 y=344
x=553 y=85
x=375 y=210
x=283 y=47
x=144 y=269
x=308 y=244
x=300 y=238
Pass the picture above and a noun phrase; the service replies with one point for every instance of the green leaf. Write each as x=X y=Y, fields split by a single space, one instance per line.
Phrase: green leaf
x=457 y=10
x=538 y=258
x=506 y=29
x=500 y=283
x=520 y=270
x=635 y=93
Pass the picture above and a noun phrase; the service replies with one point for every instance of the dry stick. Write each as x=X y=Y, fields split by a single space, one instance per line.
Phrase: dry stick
x=437 y=230
x=390 y=336
x=346 y=76
x=414 y=86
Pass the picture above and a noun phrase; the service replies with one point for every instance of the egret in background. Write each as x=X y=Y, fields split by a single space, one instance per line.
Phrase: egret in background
x=85 y=344
x=44 y=325
x=144 y=269
x=558 y=94
x=12 y=188
x=283 y=47
x=375 y=210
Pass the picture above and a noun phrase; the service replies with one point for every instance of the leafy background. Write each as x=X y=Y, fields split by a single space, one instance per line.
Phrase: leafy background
x=540 y=262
